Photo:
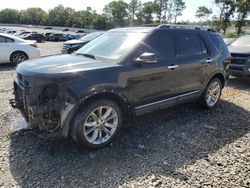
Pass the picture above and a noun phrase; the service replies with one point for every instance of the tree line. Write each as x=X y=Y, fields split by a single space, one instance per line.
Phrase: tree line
x=120 y=14
x=228 y=9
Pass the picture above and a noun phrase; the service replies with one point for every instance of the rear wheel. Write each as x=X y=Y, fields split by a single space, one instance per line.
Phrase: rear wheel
x=97 y=124
x=18 y=57
x=212 y=94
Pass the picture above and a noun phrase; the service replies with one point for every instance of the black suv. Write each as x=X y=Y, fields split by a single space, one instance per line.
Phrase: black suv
x=34 y=36
x=57 y=37
x=122 y=73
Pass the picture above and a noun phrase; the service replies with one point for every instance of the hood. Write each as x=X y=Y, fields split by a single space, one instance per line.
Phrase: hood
x=239 y=49
x=60 y=64
x=75 y=42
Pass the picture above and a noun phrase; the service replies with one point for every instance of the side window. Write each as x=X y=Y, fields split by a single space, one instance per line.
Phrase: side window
x=2 y=39
x=162 y=44
x=9 y=40
x=190 y=44
x=203 y=47
x=5 y=39
x=218 y=42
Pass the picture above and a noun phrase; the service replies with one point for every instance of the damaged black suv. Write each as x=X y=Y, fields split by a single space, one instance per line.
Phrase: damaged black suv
x=124 y=72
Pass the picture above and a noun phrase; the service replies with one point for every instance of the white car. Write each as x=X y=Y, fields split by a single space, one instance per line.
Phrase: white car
x=16 y=50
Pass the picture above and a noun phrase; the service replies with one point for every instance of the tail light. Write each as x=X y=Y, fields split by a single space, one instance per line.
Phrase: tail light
x=34 y=45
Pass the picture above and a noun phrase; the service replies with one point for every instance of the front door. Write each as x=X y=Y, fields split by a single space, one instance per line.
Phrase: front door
x=159 y=81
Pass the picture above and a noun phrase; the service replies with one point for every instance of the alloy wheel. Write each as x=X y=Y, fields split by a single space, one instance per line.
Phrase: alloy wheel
x=100 y=125
x=19 y=57
x=213 y=93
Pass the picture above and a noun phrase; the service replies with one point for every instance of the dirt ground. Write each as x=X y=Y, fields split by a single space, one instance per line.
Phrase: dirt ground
x=183 y=146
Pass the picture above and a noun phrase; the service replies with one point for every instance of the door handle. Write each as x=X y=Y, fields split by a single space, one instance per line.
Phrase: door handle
x=209 y=60
x=173 y=66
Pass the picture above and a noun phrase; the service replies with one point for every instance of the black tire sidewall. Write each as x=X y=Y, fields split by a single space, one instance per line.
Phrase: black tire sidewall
x=77 y=128
x=203 y=98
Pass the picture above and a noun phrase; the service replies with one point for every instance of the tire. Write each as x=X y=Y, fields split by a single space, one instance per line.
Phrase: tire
x=212 y=94
x=18 y=57
x=90 y=131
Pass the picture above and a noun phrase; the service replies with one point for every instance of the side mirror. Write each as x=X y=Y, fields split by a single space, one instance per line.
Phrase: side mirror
x=146 y=58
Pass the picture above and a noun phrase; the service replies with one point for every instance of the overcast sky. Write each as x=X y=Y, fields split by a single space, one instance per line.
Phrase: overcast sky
x=98 y=5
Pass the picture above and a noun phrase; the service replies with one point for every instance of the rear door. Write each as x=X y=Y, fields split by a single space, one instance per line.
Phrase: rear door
x=152 y=83
x=194 y=59
x=5 y=48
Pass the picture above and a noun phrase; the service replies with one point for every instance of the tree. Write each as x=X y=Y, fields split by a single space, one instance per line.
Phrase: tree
x=9 y=16
x=178 y=7
x=160 y=7
x=59 y=16
x=101 y=22
x=164 y=8
x=34 y=16
x=134 y=8
x=203 y=13
x=242 y=9
x=117 y=11
x=147 y=12
x=227 y=9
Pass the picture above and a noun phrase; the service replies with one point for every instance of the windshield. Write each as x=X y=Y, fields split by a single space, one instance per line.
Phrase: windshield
x=90 y=36
x=242 y=41
x=112 y=45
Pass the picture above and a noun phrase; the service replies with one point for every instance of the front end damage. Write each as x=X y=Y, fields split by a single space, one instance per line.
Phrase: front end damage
x=45 y=103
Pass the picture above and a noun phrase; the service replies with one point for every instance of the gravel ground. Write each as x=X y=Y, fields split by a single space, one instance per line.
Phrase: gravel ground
x=183 y=146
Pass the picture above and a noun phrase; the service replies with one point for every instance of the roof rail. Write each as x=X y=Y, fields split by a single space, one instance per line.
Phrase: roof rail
x=177 y=26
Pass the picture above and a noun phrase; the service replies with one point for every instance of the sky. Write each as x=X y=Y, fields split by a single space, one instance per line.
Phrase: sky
x=188 y=13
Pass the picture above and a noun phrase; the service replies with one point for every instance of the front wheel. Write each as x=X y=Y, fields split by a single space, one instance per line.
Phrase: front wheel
x=212 y=93
x=97 y=124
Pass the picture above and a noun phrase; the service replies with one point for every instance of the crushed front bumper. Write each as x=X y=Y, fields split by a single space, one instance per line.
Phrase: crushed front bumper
x=43 y=115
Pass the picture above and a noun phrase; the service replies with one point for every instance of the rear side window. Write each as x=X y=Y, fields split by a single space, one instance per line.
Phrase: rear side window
x=218 y=42
x=9 y=40
x=2 y=39
x=190 y=44
x=163 y=45
x=5 y=39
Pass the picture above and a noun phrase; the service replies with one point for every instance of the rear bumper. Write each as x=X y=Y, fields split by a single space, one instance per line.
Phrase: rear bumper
x=33 y=54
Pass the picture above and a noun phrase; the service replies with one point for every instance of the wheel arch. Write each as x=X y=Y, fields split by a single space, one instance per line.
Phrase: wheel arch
x=221 y=77
x=117 y=97
x=18 y=51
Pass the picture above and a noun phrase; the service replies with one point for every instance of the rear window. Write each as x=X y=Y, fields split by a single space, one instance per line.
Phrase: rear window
x=218 y=42
x=190 y=44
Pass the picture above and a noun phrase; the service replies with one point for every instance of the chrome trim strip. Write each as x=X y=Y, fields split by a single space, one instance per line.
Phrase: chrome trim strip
x=168 y=99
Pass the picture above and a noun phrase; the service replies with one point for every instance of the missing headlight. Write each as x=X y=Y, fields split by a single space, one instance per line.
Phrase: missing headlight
x=49 y=92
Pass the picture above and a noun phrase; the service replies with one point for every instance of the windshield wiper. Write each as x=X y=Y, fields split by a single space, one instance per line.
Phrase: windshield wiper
x=87 y=55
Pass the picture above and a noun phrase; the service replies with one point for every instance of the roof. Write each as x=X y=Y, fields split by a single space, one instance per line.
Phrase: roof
x=149 y=28
x=11 y=36
x=134 y=29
